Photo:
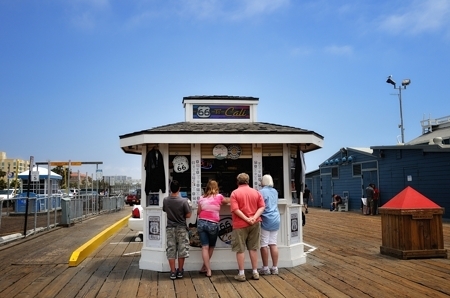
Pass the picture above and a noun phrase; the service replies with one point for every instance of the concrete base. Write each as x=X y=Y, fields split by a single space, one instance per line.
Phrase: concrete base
x=222 y=259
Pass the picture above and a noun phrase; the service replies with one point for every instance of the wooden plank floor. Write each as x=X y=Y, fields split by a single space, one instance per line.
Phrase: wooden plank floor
x=343 y=260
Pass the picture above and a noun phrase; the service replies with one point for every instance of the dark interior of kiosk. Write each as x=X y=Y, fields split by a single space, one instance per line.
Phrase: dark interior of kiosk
x=225 y=171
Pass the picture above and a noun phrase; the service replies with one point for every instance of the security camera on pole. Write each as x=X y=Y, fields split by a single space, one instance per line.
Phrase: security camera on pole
x=405 y=83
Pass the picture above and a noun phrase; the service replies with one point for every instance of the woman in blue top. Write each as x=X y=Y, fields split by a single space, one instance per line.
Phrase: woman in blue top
x=269 y=226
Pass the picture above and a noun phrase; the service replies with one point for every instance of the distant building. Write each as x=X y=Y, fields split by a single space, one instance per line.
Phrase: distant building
x=13 y=165
x=422 y=163
x=434 y=130
x=117 y=179
x=344 y=173
x=79 y=177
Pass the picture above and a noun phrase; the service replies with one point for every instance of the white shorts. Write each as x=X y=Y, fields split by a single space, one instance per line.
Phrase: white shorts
x=268 y=237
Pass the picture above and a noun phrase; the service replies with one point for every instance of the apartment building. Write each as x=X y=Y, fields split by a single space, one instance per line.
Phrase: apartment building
x=12 y=165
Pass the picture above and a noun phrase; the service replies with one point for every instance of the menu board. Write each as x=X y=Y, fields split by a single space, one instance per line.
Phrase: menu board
x=257 y=166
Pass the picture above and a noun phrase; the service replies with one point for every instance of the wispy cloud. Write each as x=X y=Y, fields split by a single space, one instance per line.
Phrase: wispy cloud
x=301 y=51
x=231 y=9
x=138 y=19
x=84 y=20
x=419 y=17
x=254 y=7
x=85 y=13
x=339 y=50
x=98 y=4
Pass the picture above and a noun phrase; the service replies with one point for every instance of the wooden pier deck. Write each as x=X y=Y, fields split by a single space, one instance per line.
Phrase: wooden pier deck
x=343 y=260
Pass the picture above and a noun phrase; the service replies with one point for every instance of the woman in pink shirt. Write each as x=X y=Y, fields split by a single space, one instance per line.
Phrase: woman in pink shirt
x=208 y=222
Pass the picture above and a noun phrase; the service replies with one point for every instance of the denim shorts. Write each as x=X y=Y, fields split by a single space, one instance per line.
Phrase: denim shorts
x=208 y=232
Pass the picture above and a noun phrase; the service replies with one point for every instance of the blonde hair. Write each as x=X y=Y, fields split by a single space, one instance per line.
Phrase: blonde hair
x=212 y=189
x=267 y=180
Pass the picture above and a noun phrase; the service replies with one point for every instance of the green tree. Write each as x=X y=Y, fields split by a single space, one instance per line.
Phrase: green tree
x=14 y=184
x=63 y=172
x=3 y=184
x=58 y=170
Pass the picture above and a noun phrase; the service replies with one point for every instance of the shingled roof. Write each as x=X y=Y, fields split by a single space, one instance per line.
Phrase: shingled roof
x=220 y=97
x=222 y=128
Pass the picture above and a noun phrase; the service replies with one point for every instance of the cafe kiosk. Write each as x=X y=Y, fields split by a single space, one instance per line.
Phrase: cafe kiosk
x=219 y=139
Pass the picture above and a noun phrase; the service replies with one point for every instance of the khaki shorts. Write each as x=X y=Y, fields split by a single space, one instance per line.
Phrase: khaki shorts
x=177 y=243
x=246 y=238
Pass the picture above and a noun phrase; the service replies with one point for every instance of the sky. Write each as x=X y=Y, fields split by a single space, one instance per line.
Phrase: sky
x=77 y=74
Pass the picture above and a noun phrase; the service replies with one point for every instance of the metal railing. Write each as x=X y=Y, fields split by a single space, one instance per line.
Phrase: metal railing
x=47 y=212
x=427 y=125
x=84 y=206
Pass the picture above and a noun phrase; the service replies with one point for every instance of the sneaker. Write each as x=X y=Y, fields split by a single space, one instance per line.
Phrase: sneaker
x=180 y=273
x=173 y=275
x=263 y=271
x=274 y=271
x=255 y=276
x=240 y=277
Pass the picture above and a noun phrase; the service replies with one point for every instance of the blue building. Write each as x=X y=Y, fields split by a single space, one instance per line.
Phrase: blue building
x=346 y=173
x=423 y=163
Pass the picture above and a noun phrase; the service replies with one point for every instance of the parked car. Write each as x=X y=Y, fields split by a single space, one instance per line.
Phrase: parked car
x=88 y=192
x=72 y=192
x=136 y=221
x=134 y=198
x=5 y=193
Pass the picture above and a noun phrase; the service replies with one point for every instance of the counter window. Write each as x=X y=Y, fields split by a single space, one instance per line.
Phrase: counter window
x=225 y=171
x=273 y=165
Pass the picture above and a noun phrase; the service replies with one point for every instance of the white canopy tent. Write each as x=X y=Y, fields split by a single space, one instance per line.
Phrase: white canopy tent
x=44 y=183
x=43 y=174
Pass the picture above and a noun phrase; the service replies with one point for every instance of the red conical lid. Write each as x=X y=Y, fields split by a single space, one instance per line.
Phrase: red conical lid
x=409 y=198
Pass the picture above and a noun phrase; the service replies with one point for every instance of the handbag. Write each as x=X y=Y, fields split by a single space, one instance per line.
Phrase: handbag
x=194 y=237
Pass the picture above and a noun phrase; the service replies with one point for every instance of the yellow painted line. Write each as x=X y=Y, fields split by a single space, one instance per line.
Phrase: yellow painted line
x=86 y=249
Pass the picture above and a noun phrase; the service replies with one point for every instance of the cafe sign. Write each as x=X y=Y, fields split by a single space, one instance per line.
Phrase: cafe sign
x=221 y=112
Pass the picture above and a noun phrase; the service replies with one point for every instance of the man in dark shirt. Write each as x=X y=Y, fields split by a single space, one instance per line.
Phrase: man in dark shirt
x=306 y=197
x=369 y=196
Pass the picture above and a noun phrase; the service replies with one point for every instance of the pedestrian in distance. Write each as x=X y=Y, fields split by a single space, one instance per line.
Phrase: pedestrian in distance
x=269 y=226
x=376 y=196
x=246 y=206
x=337 y=200
x=177 y=242
x=208 y=222
x=369 y=197
x=307 y=195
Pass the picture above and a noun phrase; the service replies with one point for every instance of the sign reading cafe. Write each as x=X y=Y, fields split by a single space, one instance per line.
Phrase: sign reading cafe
x=221 y=112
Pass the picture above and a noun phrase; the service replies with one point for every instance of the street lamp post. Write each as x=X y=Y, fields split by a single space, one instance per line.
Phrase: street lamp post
x=405 y=83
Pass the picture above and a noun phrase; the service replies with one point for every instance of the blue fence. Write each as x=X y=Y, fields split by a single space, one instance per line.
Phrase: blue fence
x=37 y=203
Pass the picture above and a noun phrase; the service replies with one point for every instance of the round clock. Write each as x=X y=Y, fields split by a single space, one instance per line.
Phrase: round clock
x=220 y=151
x=234 y=151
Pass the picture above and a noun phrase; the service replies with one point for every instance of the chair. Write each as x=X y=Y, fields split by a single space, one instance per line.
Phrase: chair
x=344 y=205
